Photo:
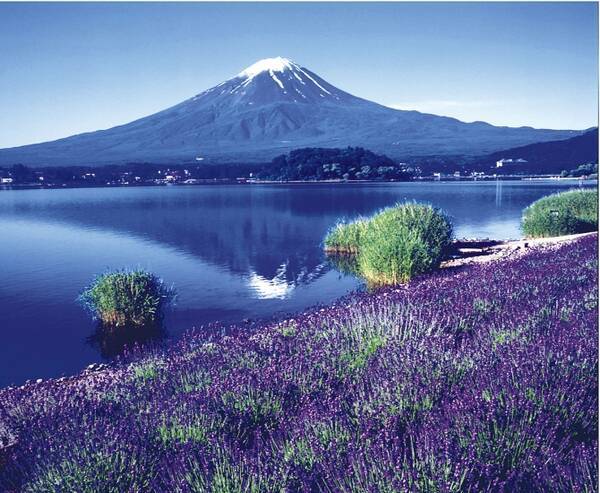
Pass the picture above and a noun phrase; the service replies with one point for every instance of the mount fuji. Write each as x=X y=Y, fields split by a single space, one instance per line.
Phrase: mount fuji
x=267 y=109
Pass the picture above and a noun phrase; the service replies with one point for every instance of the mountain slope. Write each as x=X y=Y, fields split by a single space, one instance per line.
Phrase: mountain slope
x=551 y=157
x=271 y=107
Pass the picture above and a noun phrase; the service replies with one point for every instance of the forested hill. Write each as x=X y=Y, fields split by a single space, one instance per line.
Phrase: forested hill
x=315 y=163
x=551 y=157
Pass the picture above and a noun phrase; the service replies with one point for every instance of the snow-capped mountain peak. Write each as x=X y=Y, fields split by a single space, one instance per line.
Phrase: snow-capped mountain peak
x=280 y=79
x=277 y=64
x=272 y=106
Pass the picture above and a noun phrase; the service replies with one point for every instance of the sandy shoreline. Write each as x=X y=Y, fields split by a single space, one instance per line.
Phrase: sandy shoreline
x=479 y=251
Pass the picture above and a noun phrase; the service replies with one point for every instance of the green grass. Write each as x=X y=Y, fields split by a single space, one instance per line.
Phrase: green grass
x=89 y=470
x=145 y=372
x=396 y=244
x=126 y=297
x=356 y=359
x=575 y=211
x=346 y=237
x=174 y=432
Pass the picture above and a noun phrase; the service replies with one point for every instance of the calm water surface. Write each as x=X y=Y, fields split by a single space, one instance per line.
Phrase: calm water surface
x=232 y=252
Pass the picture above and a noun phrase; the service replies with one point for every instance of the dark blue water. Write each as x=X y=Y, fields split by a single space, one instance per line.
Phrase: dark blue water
x=232 y=252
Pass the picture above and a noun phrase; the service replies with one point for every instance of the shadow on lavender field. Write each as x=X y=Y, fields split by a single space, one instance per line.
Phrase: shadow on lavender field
x=483 y=379
x=112 y=343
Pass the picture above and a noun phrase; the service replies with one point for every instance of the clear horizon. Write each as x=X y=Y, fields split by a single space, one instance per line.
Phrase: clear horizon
x=73 y=68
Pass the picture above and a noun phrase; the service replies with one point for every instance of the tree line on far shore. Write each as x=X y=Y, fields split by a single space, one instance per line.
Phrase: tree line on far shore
x=317 y=164
x=350 y=163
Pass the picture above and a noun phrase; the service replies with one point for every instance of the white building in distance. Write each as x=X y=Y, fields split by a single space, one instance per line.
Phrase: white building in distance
x=502 y=162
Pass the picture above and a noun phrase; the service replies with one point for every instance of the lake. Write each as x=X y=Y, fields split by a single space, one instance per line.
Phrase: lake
x=232 y=252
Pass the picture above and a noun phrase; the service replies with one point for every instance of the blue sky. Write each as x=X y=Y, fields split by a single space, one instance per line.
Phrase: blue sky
x=68 y=68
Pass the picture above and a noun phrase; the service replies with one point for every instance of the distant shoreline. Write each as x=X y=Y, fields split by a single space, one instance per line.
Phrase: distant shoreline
x=208 y=182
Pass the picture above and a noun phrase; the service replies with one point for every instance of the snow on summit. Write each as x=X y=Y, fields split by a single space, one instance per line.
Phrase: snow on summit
x=277 y=64
x=270 y=65
x=286 y=75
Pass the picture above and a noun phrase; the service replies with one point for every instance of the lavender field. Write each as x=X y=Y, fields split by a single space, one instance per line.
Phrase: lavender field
x=472 y=380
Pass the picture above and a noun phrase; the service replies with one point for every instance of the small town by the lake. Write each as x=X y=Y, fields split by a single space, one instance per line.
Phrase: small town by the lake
x=299 y=247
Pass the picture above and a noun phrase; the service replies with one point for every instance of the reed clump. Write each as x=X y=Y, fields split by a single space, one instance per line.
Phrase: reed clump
x=345 y=238
x=394 y=245
x=127 y=298
x=565 y=213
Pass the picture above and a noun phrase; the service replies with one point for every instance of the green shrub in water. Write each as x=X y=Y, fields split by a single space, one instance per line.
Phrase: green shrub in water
x=127 y=297
x=402 y=242
x=575 y=211
x=396 y=244
x=345 y=237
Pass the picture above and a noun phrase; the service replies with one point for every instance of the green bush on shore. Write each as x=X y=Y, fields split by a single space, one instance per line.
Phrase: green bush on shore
x=575 y=211
x=127 y=297
x=396 y=244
